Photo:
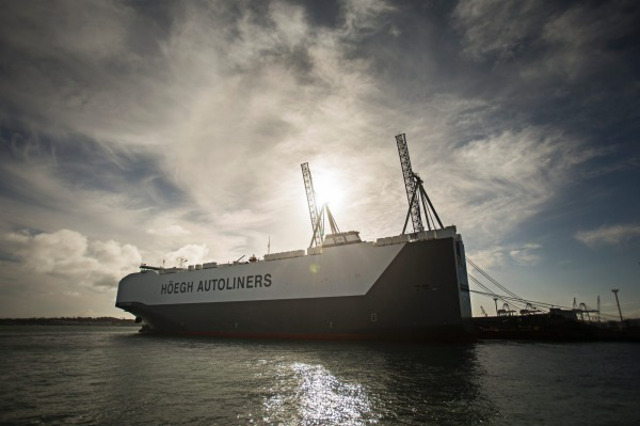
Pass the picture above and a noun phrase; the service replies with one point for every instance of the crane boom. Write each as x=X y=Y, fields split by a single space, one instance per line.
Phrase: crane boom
x=311 y=202
x=416 y=194
x=317 y=217
x=409 y=182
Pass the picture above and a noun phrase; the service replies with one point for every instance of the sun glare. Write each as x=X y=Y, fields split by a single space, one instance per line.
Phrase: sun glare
x=328 y=189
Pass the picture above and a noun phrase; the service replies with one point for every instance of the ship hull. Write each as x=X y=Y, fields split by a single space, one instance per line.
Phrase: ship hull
x=417 y=291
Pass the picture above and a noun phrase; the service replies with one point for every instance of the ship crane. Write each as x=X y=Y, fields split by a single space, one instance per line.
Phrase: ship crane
x=317 y=218
x=419 y=202
x=311 y=201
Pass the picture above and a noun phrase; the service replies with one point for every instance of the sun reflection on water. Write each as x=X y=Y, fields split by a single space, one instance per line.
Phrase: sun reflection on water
x=311 y=395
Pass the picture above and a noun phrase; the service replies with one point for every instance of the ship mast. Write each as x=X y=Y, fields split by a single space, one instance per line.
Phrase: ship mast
x=419 y=202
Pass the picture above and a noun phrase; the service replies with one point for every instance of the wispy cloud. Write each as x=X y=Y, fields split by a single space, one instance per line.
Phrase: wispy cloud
x=609 y=235
x=557 y=40
x=499 y=257
x=498 y=28
x=500 y=180
x=529 y=254
x=169 y=231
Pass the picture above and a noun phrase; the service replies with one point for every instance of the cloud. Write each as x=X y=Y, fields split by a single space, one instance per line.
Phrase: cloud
x=169 y=231
x=190 y=254
x=497 y=257
x=265 y=90
x=580 y=38
x=489 y=258
x=363 y=16
x=608 y=235
x=71 y=256
x=496 y=182
x=499 y=28
x=528 y=254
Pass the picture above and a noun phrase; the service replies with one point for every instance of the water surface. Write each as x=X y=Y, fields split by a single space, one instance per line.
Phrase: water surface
x=104 y=375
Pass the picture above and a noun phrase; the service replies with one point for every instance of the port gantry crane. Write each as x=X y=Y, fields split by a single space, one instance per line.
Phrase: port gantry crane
x=317 y=219
x=416 y=194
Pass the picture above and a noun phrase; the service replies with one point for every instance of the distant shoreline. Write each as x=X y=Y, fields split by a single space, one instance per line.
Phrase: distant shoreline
x=99 y=321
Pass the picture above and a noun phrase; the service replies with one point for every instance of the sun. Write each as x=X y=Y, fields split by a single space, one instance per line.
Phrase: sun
x=328 y=189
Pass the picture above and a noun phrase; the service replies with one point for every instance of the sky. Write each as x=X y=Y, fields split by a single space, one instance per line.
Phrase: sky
x=149 y=131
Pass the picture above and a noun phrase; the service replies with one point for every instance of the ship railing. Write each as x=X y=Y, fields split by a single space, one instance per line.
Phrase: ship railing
x=284 y=255
x=434 y=234
x=398 y=239
x=447 y=232
x=170 y=270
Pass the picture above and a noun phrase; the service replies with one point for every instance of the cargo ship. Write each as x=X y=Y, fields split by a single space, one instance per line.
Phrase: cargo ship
x=412 y=286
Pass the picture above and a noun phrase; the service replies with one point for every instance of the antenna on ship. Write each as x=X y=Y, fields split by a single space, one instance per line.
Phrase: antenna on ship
x=317 y=218
x=419 y=202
